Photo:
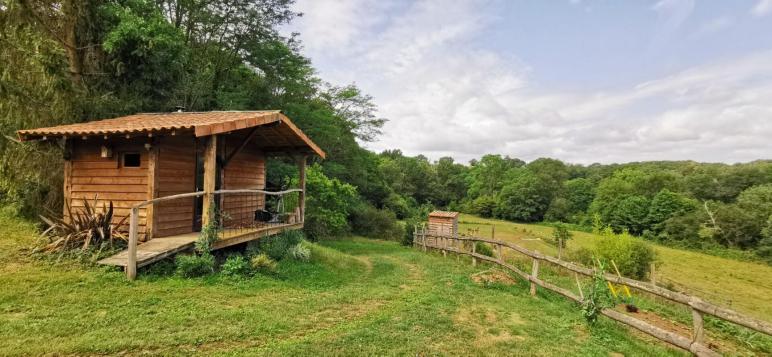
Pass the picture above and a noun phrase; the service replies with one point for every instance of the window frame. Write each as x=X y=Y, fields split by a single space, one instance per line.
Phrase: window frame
x=139 y=159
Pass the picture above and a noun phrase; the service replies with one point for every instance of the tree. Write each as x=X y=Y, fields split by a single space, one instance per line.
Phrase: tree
x=356 y=109
x=484 y=206
x=579 y=192
x=487 y=176
x=737 y=227
x=327 y=204
x=630 y=215
x=451 y=181
x=664 y=205
x=524 y=198
x=561 y=235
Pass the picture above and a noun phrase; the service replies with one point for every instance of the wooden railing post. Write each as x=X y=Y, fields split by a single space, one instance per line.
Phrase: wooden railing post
x=131 y=264
x=498 y=250
x=302 y=184
x=534 y=274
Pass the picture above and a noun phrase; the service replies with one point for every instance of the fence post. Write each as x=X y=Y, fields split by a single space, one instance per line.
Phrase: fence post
x=534 y=274
x=498 y=250
x=423 y=237
x=698 y=333
x=131 y=263
x=474 y=251
x=652 y=274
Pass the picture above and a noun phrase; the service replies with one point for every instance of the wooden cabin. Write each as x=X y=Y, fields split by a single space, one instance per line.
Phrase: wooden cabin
x=443 y=223
x=136 y=160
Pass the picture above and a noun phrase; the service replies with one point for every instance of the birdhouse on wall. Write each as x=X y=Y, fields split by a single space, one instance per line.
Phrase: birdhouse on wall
x=443 y=223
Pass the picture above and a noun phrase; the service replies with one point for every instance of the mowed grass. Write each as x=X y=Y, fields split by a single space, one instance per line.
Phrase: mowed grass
x=356 y=297
x=743 y=286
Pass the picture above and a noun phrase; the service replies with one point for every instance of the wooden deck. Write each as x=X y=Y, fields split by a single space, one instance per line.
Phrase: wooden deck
x=160 y=248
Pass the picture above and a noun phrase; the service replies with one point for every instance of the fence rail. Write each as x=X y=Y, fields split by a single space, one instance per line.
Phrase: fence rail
x=695 y=344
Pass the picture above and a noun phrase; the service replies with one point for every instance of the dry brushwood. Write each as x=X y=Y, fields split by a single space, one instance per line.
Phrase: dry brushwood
x=82 y=228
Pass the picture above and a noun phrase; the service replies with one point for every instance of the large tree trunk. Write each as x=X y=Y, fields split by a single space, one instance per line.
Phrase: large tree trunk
x=74 y=58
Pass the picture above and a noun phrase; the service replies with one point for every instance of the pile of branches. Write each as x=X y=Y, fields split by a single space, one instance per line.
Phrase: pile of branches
x=82 y=229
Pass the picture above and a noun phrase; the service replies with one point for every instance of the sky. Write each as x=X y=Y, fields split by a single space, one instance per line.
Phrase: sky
x=578 y=80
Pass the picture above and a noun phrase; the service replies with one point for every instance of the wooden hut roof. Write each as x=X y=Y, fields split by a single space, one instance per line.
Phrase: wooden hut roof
x=445 y=214
x=282 y=135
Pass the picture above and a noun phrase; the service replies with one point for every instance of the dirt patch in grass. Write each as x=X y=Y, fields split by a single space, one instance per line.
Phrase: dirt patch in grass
x=493 y=276
x=489 y=326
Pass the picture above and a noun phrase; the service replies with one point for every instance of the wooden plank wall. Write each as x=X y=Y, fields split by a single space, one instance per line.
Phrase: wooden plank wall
x=176 y=173
x=443 y=225
x=245 y=171
x=92 y=175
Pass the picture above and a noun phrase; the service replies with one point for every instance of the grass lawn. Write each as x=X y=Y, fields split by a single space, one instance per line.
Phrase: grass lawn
x=743 y=286
x=356 y=297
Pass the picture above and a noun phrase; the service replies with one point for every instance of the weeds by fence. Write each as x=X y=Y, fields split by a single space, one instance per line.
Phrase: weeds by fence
x=695 y=343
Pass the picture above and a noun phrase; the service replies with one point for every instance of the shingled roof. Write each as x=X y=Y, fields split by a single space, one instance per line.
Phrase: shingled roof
x=201 y=123
x=444 y=214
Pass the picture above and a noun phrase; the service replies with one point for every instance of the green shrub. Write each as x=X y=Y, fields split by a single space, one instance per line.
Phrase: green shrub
x=300 y=252
x=483 y=248
x=277 y=246
x=327 y=205
x=597 y=297
x=409 y=228
x=263 y=264
x=632 y=256
x=582 y=255
x=235 y=265
x=483 y=206
x=371 y=222
x=194 y=265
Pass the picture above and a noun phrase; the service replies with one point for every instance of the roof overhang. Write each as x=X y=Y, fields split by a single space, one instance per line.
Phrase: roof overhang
x=200 y=123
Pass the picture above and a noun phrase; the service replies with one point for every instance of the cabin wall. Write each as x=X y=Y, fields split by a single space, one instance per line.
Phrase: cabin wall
x=88 y=175
x=245 y=171
x=443 y=225
x=175 y=174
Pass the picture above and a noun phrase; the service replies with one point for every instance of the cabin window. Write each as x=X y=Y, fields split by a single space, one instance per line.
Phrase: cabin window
x=131 y=159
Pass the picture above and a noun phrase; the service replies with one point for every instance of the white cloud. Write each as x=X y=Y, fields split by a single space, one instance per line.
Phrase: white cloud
x=762 y=8
x=444 y=94
x=715 y=25
x=674 y=12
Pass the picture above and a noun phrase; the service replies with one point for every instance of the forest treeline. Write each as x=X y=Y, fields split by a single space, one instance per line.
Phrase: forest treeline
x=65 y=61
x=683 y=203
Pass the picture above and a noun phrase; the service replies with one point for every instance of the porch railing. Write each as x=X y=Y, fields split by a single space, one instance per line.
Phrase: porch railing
x=240 y=211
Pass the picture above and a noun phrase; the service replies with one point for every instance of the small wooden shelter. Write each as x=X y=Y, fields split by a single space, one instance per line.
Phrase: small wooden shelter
x=173 y=168
x=443 y=223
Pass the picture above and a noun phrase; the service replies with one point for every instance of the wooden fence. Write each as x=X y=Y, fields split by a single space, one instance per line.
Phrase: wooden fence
x=695 y=343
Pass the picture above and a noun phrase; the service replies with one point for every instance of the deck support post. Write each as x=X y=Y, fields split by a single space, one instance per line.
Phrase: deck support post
x=131 y=264
x=210 y=179
x=302 y=184
x=67 y=179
